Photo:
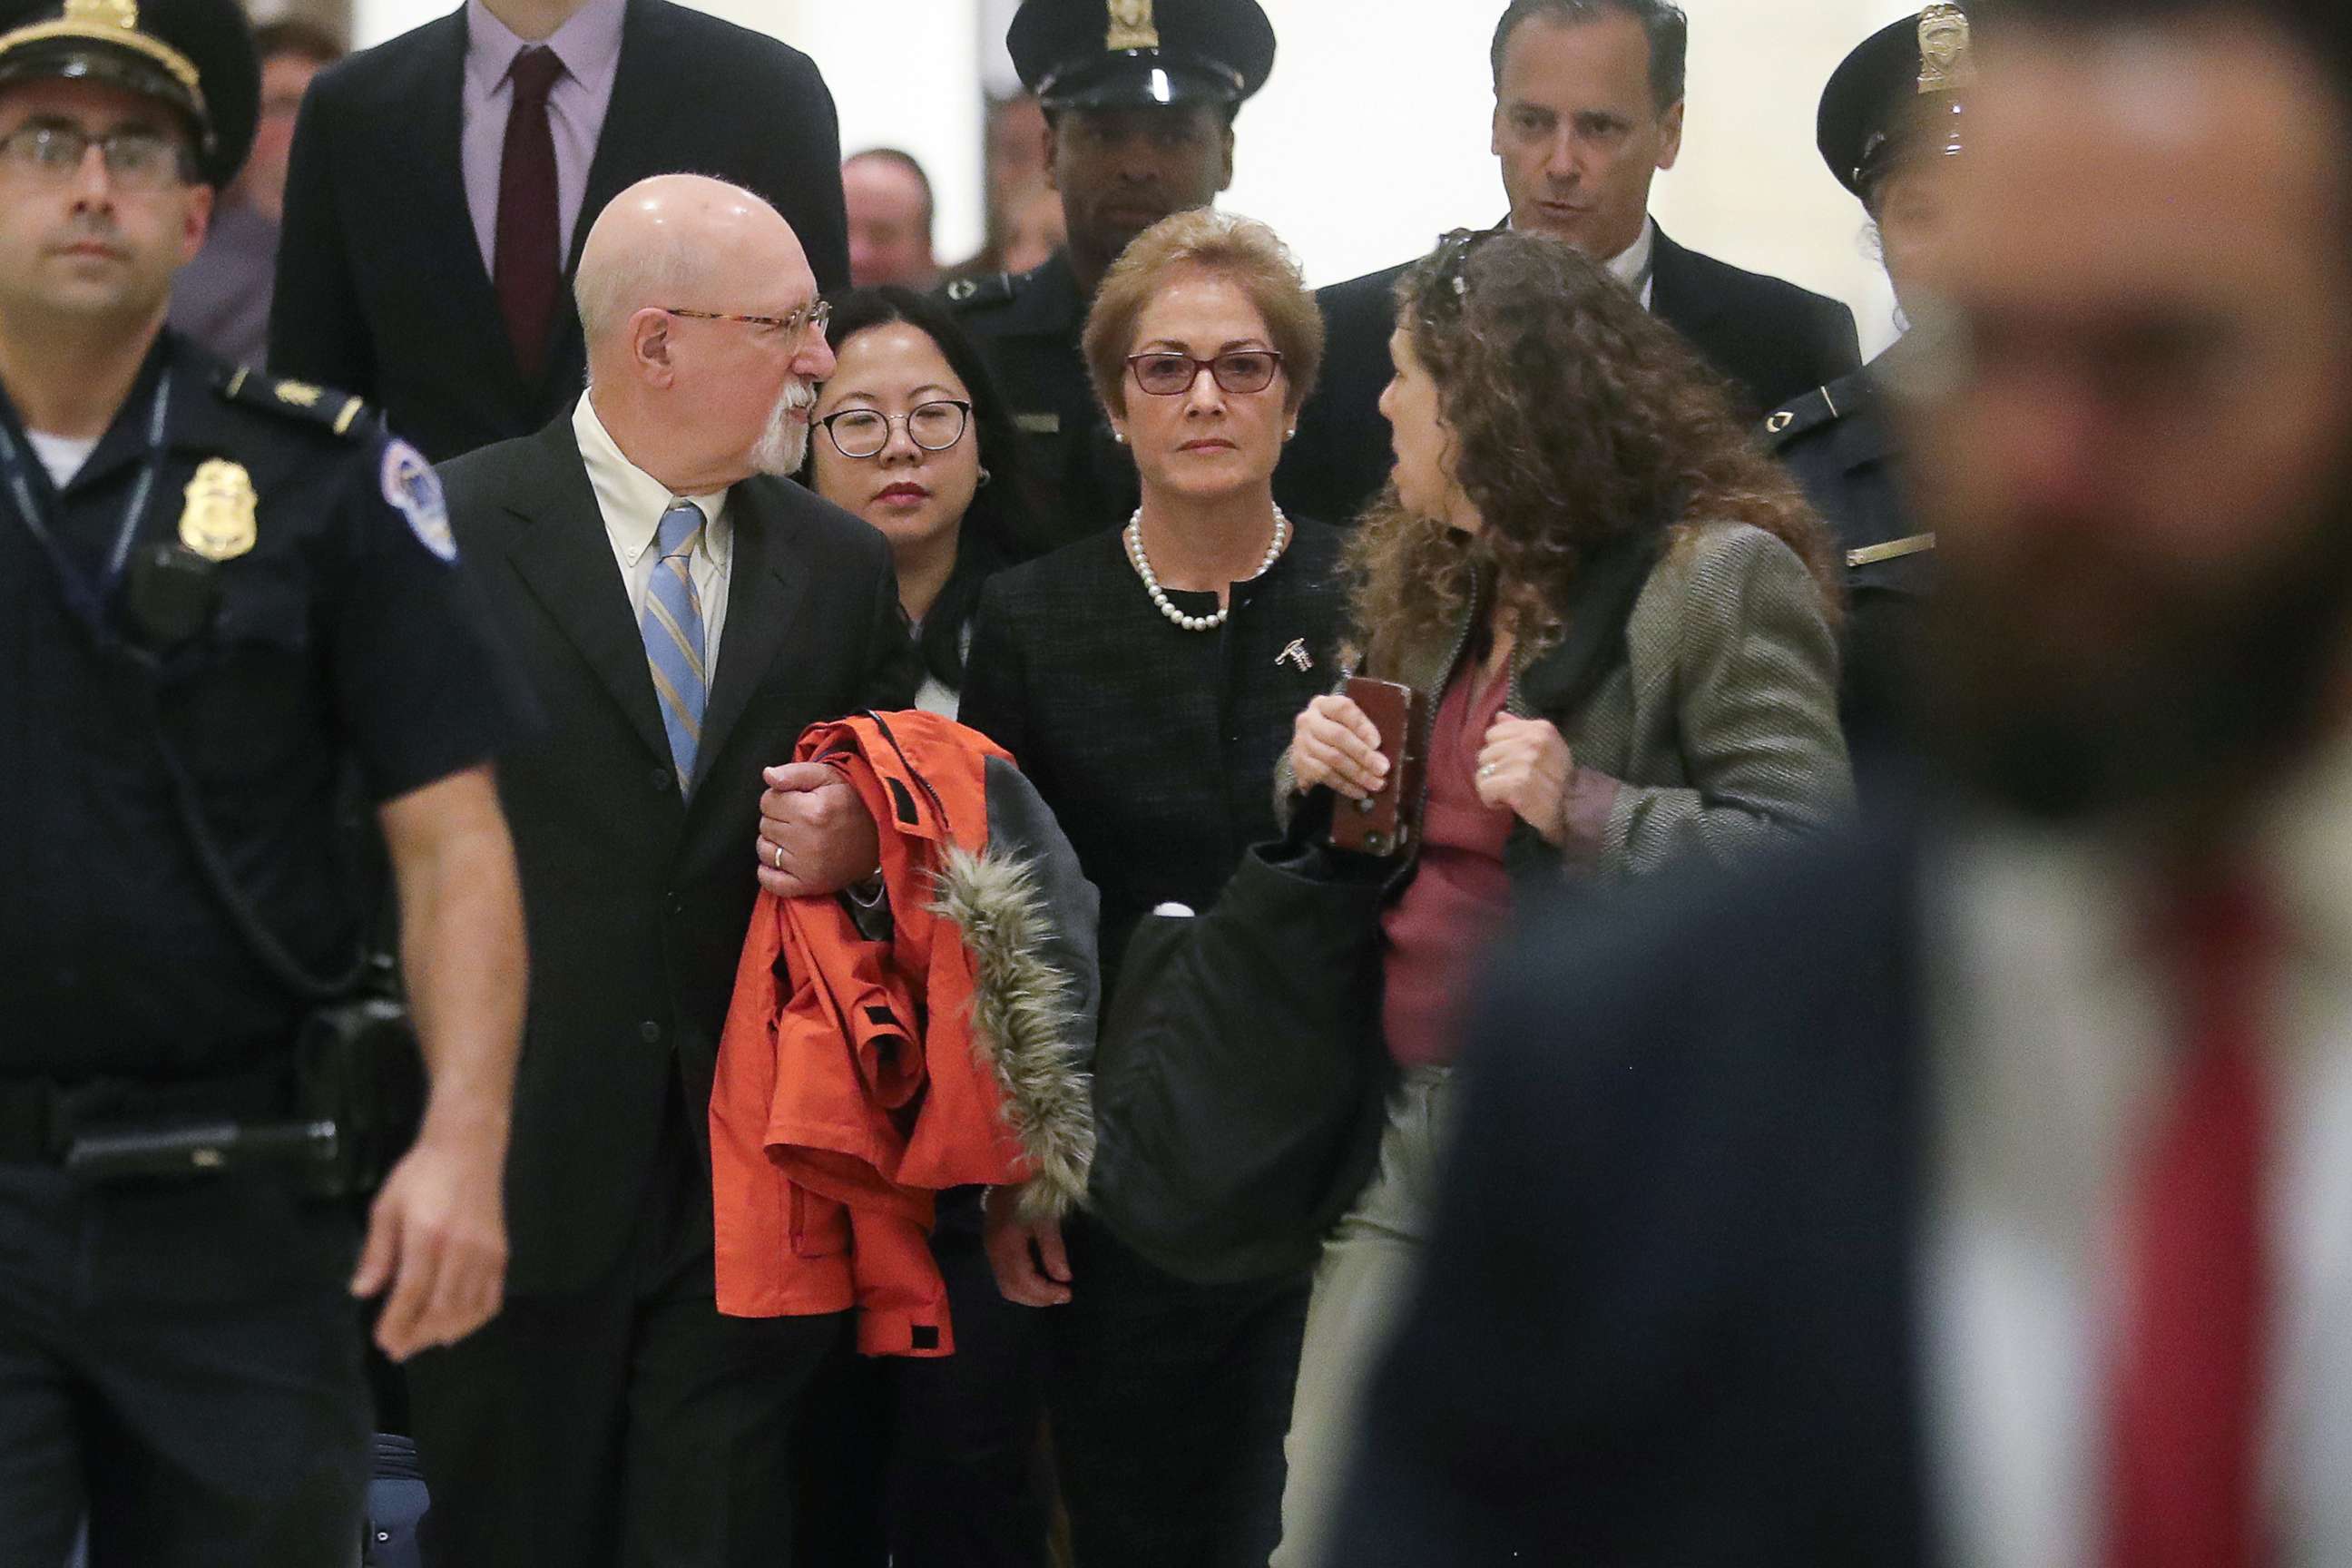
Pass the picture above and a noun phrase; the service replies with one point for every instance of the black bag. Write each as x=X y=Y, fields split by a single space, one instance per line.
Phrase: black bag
x=1240 y=1078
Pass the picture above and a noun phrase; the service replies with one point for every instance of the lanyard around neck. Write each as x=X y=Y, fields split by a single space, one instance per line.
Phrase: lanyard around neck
x=88 y=600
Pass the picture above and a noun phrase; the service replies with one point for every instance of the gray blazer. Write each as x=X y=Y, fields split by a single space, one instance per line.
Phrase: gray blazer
x=1721 y=724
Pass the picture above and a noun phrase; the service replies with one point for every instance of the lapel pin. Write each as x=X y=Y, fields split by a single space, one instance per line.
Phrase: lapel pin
x=1295 y=654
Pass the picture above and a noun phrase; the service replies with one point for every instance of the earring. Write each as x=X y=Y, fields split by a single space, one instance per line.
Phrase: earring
x=1119 y=436
x=1291 y=434
x=983 y=477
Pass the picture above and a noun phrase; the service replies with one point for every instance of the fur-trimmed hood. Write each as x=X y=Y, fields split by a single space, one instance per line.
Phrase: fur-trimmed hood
x=869 y=1063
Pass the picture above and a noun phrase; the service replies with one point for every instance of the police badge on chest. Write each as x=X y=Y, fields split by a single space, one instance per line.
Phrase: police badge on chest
x=172 y=590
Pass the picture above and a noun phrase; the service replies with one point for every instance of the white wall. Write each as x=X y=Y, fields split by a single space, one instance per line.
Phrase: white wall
x=1371 y=138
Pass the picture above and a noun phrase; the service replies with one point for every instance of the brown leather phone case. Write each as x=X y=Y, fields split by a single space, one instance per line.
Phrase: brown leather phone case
x=1385 y=823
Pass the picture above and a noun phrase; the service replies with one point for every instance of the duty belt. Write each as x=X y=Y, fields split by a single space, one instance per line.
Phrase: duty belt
x=41 y=1119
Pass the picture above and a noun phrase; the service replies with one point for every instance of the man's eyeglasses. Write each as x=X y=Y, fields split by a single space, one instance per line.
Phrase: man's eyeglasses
x=807 y=318
x=135 y=160
x=1164 y=374
x=864 y=432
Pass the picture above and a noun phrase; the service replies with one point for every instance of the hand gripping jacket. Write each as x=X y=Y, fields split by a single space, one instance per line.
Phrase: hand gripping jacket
x=858 y=1077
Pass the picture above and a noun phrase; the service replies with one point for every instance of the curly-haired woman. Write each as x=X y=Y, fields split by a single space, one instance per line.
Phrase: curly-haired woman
x=1621 y=614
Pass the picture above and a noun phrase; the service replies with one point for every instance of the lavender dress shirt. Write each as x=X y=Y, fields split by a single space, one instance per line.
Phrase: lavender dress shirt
x=589 y=45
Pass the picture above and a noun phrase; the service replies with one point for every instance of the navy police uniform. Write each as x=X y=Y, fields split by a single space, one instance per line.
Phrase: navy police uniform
x=1029 y=326
x=250 y=583
x=1079 y=55
x=1838 y=443
x=1898 y=96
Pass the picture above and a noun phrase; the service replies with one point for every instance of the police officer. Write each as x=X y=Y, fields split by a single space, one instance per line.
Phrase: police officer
x=1892 y=122
x=220 y=596
x=1139 y=98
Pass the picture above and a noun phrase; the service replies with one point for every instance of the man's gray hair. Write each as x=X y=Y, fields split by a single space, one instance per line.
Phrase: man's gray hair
x=1667 y=28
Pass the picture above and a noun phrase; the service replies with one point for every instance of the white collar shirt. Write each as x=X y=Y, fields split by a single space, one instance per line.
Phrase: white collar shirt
x=631 y=502
x=1636 y=266
x=2053 y=1048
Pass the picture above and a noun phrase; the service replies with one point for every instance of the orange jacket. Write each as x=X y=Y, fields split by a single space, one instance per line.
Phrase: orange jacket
x=856 y=1078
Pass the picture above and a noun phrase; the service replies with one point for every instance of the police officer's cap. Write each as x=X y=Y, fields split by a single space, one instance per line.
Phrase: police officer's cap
x=195 y=56
x=1903 y=92
x=1120 y=54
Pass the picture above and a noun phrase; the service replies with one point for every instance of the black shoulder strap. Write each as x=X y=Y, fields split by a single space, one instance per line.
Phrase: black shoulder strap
x=339 y=412
x=1598 y=609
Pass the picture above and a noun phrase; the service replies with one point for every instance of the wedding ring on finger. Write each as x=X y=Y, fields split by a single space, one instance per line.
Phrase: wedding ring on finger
x=777 y=852
x=1485 y=770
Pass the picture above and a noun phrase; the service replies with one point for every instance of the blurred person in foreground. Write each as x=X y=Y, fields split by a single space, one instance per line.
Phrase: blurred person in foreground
x=1589 y=104
x=1140 y=104
x=1973 y=1192
x=222 y=298
x=1619 y=616
x=889 y=199
x=683 y=611
x=227 y=611
x=1893 y=126
x=939 y=1461
x=1145 y=678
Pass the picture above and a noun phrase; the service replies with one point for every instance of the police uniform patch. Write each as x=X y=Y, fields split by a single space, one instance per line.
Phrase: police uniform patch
x=412 y=487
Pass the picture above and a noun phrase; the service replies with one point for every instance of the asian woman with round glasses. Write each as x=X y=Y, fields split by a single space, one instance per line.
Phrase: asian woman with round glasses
x=936 y=1463
x=912 y=437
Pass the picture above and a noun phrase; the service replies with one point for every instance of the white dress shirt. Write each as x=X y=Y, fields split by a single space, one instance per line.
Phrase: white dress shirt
x=589 y=45
x=1635 y=266
x=633 y=501
x=2053 y=1046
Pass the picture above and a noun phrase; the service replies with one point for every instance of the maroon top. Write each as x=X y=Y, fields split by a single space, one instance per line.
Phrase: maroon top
x=1459 y=894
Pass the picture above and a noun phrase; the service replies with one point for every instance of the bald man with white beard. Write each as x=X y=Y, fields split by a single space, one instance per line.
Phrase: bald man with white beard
x=683 y=613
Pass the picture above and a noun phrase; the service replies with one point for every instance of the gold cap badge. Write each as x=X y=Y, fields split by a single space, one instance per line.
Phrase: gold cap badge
x=1132 y=26
x=218 y=523
x=1945 y=63
x=122 y=14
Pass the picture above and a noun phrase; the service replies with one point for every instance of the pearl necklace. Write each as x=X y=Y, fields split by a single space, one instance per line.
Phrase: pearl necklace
x=1134 y=531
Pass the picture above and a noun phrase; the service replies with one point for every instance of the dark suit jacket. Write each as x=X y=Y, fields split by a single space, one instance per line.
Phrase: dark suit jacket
x=1770 y=339
x=637 y=899
x=1666 y=1318
x=381 y=286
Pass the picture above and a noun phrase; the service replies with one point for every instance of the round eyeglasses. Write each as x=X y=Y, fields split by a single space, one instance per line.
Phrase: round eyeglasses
x=864 y=432
x=1165 y=374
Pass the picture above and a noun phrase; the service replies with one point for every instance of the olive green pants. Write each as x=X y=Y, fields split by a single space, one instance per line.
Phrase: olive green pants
x=1361 y=1286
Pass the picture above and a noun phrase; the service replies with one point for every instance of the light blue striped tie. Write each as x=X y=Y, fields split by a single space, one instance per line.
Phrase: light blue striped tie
x=673 y=633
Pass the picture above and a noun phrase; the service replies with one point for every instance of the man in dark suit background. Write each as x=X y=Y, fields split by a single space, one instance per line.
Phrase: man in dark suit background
x=1973 y=1193
x=1588 y=109
x=442 y=184
x=682 y=614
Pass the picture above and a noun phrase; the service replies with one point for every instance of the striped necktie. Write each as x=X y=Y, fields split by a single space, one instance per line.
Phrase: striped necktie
x=673 y=634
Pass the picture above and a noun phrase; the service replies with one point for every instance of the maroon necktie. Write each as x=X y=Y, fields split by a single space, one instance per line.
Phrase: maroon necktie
x=527 y=269
x=2185 y=1443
